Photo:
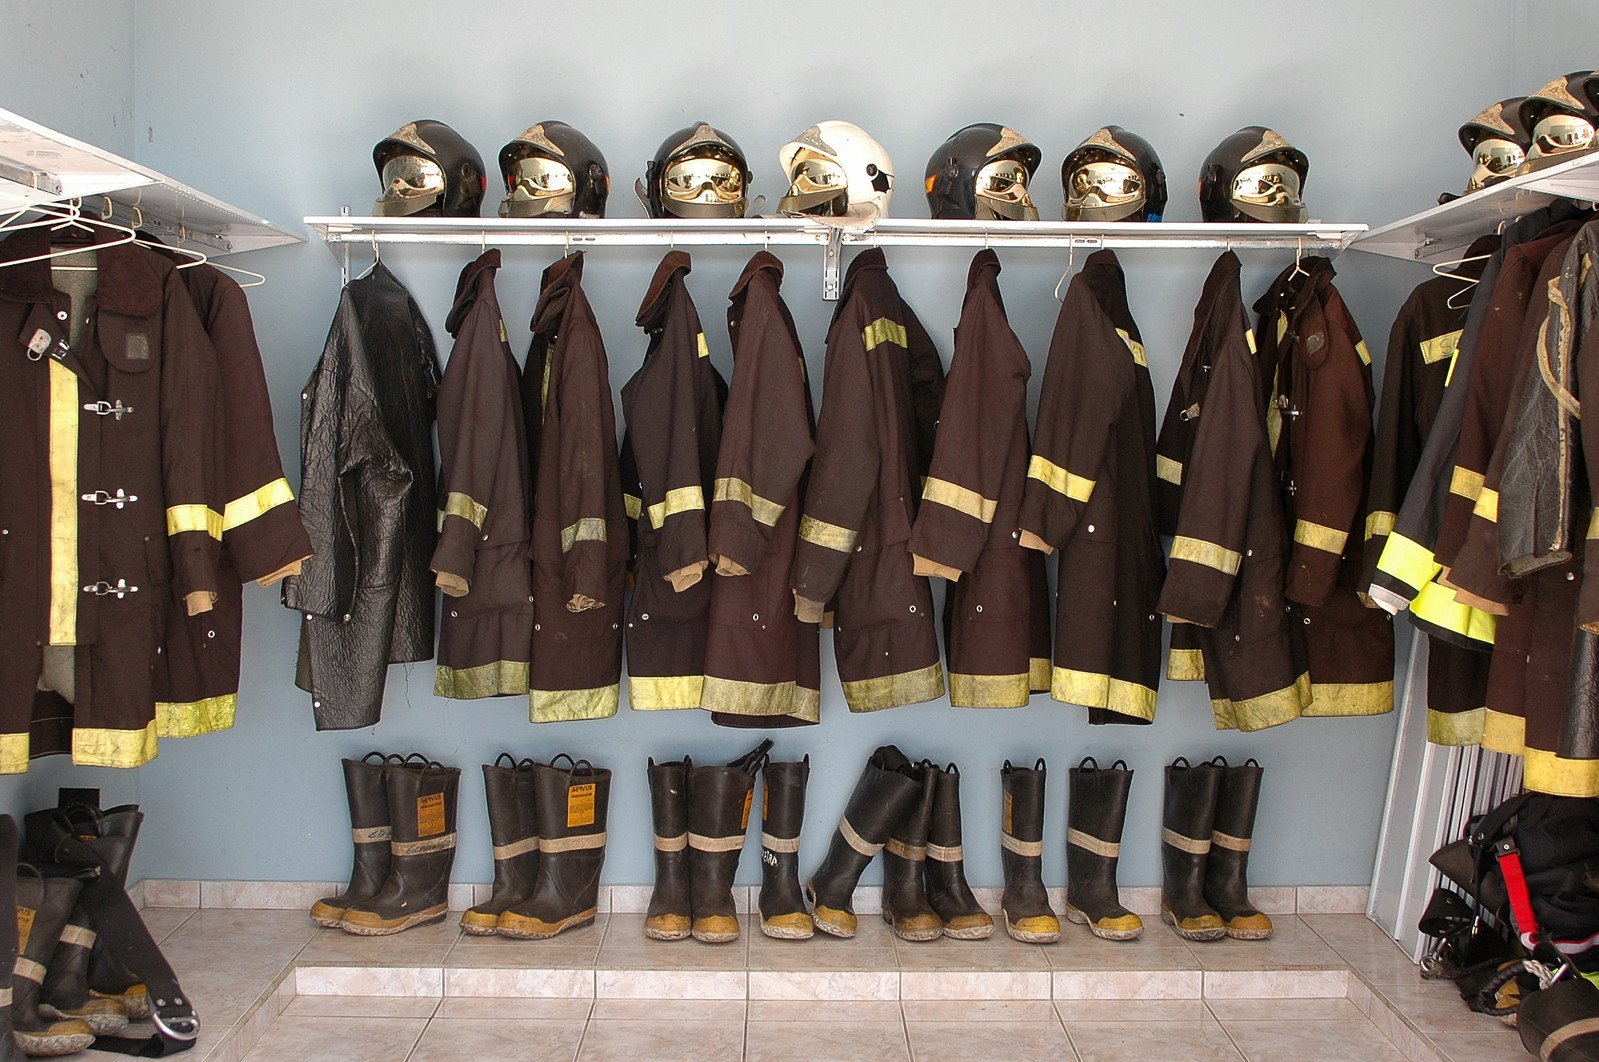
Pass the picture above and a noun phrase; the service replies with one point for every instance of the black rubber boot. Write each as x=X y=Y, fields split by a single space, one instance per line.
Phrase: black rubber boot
x=1028 y=915
x=1227 y=867
x=905 y=906
x=947 y=891
x=669 y=916
x=369 y=828
x=10 y=1050
x=887 y=788
x=1095 y=813
x=514 y=830
x=573 y=803
x=1190 y=815
x=719 y=800
x=422 y=808
x=782 y=904
x=43 y=906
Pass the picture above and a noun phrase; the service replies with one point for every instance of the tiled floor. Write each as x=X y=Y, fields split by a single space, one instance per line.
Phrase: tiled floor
x=243 y=967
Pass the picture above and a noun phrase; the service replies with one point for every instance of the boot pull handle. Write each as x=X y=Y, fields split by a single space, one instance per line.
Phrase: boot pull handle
x=1181 y=761
x=1039 y=766
x=575 y=764
x=952 y=769
x=507 y=757
x=1218 y=761
x=1252 y=762
x=1120 y=765
x=406 y=762
x=1089 y=763
x=753 y=760
x=381 y=758
x=526 y=763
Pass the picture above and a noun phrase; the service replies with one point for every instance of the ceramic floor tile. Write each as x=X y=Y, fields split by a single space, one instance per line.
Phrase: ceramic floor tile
x=1481 y=1045
x=499 y=1007
x=401 y=949
x=978 y=1010
x=824 y=1010
x=817 y=985
x=830 y=1041
x=1137 y=955
x=1436 y=1007
x=959 y=1041
x=474 y=1039
x=337 y=1040
x=1129 y=1010
x=669 y=1010
x=805 y=958
x=1284 y=1010
x=246 y=925
x=1347 y=930
x=1119 y=1041
x=1265 y=954
x=533 y=956
x=361 y=1007
x=995 y=953
x=1384 y=964
x=673 y=955
x=633 y=1041
x=161 y=921
x=1311 y=1041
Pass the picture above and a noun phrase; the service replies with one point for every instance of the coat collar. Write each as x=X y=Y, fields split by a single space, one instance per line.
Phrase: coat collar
x=475 y=279
x=760 y=262
x=668 y=278
x=558 y=283
x=131 y=278
x=985 y=266
x=870 y=260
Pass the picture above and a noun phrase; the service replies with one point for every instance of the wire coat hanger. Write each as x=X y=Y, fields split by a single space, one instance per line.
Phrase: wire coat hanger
x=75 y=218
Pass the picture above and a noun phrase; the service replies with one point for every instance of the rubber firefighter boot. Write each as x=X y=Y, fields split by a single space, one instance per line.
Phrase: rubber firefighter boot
x=1028 y=916
x=1094 y=817
x=905 y=906
x=945 y=870
x=369 y=828
x=1185 y=843
x=669 y=916
x=10 y=1050
x=515 y=834
x=422 y=806
x=719 y=801
x=572 y=804
x=885 y=791
x=782 y=904
x=1227 y=868
x=43 y=906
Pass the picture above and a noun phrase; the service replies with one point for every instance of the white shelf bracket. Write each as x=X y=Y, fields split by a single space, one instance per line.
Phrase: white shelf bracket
x=832 y=256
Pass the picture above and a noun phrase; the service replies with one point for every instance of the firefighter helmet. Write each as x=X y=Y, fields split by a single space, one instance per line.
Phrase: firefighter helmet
x=1253 y=175
x=428 y=168
x=553 y=171
x=981 y=173
x=697 y=172
x=1562 y=117
x=1114 y=175
x=836 y=169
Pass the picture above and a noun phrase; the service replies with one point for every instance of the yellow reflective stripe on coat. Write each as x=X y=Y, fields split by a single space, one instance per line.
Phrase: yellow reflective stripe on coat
x=1410 y=562
x=1466 y=483
x=258 y=502
x=1440 y=347
x=1320 y=536
x=1169 y=470
x=1092 y=690
x=98 y=747
x=1057 y=479
x=764 y=510
x=588 y=529
x=1593 y=523
x=1364 y=352
x=959 y=498
x=634 y=506
x=829 y=536
x=1249 y=337
x=1437 y=605
x=1209 y=554
x=1379 y=523
x=677 y=500
x=181 y=518
x=1134 y=346
x=1487 y=505
x=464 y=506
x=883 y=330
x=699 y=341
x=64 y=589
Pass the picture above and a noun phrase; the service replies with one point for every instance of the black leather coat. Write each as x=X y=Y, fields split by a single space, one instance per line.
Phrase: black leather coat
x=369 y=501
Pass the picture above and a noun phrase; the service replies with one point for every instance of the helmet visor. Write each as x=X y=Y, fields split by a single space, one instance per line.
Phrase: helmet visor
x=817 y=185
x=1269 y=192
x=1561 y=134
x=537 y=185
x=708 y=187
x=1496 y=160
x=1104 y=191
x=411 y=184
x=1002 y=192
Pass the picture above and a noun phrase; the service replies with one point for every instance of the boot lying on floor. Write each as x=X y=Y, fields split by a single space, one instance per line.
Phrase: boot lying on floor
x=572 y=803
x=1096 y=810
x=1227 y=865
x=514 y=831
x=1028 y=916
x=886 y=790
x=422 y=806
x=947 y=891
x=782 y=905
x=669 y=916
x=905 y=906
x=1190 y=815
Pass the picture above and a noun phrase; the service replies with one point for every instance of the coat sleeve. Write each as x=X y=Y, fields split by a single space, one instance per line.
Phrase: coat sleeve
x=1588 y=387
x=1080 y=399
x=475 y=434
x=927 y=390
x=1398 y=441
x=975 y=431
x=766 y=444
x=191 y=462
x=1330 y=487
x=844 y=475
x=1217 y=483
x=663 y=422
x=581 y=457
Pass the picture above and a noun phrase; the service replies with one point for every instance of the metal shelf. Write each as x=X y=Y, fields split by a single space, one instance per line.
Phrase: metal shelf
x=1444 y=232
x=799 y=231
x=39 y=165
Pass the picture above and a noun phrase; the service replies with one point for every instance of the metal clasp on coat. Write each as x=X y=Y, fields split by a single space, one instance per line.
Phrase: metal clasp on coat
x=107 y=409
x=104 y=497
x=1191 y=413
x=104 y=589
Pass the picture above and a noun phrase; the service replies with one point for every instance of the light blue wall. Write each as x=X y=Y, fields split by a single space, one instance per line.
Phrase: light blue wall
x=276 y=106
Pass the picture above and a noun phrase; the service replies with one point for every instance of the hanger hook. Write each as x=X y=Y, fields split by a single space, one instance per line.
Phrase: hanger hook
x=1071 y=256
x=568 y=249
x=483 y=242
x=377 y=255
x=138 y=218
x=107 y=208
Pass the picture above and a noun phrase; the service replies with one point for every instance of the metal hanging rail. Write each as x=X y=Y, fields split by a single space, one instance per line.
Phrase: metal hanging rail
x=581 y=233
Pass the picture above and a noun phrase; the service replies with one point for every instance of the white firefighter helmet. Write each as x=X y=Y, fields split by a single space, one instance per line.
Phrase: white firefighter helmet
x=836 y=169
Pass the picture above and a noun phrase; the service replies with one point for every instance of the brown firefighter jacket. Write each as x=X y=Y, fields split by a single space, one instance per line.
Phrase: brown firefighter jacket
x=1228 y=556
x=996 y=617
x=1091 y=499
x=109 y=491
x=1319 y=397
x=881 y=393
x=369 y=499
x=762 y=663
x=673 y=408
x=579 y=544
x=481 y=562
x=197 y=687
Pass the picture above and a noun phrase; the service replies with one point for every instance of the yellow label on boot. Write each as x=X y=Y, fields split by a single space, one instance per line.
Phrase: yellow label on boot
x=749 y=798
x=430 y=815
x=1010 y=825
x=580 y=805
x=24 y=927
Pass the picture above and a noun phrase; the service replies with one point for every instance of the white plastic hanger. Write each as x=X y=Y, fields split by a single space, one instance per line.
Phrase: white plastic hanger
x=1299 y=261
x=1445 y=269
x=377 y=256
x=75 y=218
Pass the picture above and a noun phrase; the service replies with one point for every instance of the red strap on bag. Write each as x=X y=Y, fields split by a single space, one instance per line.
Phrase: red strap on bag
x=1509 y=858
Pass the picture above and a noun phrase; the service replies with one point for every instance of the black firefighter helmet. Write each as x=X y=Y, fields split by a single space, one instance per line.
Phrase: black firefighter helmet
x=980 y=173
x=428 y=168
x=1497 y=142
x=1562 y=117
x=697 y=172
x=1114 y=175
x=553 y=171
x=1254 y=175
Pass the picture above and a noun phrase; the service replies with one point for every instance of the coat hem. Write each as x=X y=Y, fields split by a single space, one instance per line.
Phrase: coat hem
x=654 y=693
x=894 y=691
x=1456 y=728
x=1350 y=698
x=1548 y=772
x=555 y=706
x=1502 y=732
x=1095 y=690
x=990 y=691
x=761 y=699
x=100 y=747
x=501 y=678
x=1267 y=710
x=207 y=715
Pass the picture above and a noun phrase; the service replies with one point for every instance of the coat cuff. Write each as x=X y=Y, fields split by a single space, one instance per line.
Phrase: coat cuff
x=808 y=611
x=734 y=539
x=1312 y=576
x=1195 y=594
x=194 y=569
x=455 y=555
x=921 y=565
x=686 y=576
x=1032 y=541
